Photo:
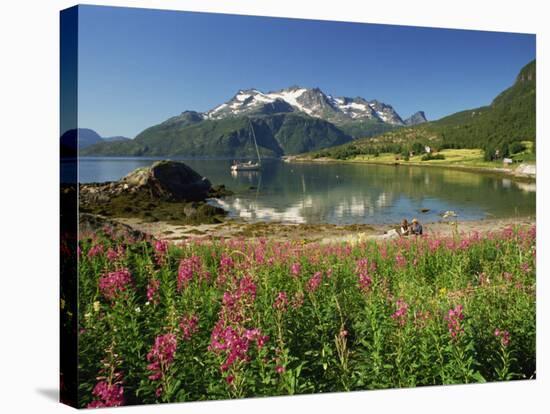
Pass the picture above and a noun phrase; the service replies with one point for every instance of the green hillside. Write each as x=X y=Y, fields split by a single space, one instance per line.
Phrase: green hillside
x=509 y=119
x=277 y=134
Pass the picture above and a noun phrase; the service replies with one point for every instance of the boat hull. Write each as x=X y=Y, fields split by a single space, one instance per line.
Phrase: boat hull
x=245 y=167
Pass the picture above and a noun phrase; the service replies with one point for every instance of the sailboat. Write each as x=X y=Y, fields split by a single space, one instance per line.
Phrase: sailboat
x=249 y=166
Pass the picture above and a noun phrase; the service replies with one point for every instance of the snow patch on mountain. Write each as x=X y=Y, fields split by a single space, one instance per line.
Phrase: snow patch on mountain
x=312 y=102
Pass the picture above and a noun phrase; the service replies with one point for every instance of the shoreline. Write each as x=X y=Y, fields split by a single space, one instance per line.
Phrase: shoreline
x=511 y=173
x=310 y=233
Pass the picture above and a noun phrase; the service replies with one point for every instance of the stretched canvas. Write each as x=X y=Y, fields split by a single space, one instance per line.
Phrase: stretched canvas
x=256 y=206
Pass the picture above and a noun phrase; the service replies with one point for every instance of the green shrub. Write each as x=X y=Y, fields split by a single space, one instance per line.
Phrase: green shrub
x=428 y=157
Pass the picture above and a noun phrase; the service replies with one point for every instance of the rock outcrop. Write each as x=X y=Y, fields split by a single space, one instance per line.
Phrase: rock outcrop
x=164 y=180
x=93 y=223
x=166 y=191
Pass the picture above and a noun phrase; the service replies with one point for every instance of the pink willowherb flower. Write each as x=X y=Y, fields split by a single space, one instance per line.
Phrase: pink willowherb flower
x=224 y=270
x=400 y=315
x=363 y=269
x=226 y=263
x=315 y=281
x=161 y=246
x=113 y=254
x=281 y=302
x=234 y=342
x=504 y=337
x=295 y=269
x=95 y=250
x=108 y=392
x=187 y=268
x=279 y=369
x=189 y=325
x=113 y=284
x=454 y=318
x=247 y=287
x=152 y=289
x=109 y=395
x=400 y=260
x=161 y=249
x=161 y=357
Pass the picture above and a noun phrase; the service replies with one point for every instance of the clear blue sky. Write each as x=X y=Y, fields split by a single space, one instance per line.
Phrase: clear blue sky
x=138 y=67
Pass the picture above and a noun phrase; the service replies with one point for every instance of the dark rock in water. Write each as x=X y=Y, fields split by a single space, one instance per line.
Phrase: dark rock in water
x=166 y=191
x=168 y=180
x=424 y=210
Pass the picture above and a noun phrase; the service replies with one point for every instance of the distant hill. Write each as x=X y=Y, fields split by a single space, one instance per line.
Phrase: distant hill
x=511 y=117
x=84 y=136
x=277 y=134
x=76 y=141
x=116 y=139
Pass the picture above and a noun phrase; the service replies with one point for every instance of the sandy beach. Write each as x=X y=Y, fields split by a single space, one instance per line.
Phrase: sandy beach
x=320 y=233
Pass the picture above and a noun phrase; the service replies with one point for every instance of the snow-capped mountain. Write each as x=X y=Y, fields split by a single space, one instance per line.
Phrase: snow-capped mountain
x=312 y=102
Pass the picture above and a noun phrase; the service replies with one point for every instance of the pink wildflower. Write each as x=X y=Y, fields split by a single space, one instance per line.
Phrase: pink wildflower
x=315 y=281
x=400 y=315
x=95 y=250
x=281 y=302
x=113 y=254
x=234 y=343
x=161 y=249
x=226 y=263
x=109 y=395
x=504 y=337
x=454 y=318
x=400 y=260
x=363 y=268
x=152 y=288
x=187 y=268
x=189 y=325
x=113 y=283
x=161 y=246
x=161 y=356
x=295 y=269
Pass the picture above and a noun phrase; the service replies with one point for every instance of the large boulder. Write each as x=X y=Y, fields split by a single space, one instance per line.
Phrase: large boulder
x=168 y=180
x=163 y=181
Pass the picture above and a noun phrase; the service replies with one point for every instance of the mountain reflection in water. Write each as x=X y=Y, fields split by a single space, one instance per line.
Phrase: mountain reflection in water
x=345 y=193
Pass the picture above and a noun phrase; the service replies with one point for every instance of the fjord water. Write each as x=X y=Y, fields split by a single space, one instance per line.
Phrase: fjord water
x=344 y=193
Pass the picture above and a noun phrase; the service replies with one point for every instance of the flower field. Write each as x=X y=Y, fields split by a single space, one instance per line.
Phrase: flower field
x=233 y=319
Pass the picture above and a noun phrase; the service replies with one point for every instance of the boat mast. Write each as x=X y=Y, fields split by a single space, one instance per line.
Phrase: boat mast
x=255 y=143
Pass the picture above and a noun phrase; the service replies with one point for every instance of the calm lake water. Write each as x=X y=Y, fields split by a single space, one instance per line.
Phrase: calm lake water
x=344 y=193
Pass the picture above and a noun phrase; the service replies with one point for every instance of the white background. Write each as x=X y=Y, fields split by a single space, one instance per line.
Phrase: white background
x=29 y=139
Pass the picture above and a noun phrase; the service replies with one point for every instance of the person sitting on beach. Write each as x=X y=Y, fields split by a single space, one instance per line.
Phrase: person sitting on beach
x=405 y=230
x=416 y=228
